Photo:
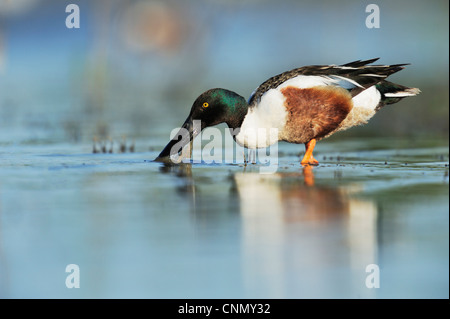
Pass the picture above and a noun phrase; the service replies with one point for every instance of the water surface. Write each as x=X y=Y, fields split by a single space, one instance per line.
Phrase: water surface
x=142 y=229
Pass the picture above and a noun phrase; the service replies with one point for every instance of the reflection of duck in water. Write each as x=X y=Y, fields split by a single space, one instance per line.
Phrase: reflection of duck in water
x=298 y=106
x=289 y=229
x=285 y=195
x=288 y=224
x=184 y=172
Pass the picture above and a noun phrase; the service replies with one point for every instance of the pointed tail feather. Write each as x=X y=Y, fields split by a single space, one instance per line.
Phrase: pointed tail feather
x=359 y=63
x=404 y=93
x=392 y=93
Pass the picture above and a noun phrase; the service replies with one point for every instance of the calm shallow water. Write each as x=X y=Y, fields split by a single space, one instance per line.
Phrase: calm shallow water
x=142 y=229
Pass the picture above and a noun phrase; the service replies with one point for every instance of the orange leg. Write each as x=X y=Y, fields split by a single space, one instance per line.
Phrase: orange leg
x=308 y=159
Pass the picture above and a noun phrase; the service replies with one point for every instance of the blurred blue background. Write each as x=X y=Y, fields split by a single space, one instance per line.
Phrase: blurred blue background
x=134 y=67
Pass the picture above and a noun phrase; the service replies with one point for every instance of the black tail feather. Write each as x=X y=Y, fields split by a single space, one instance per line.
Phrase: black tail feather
x=360 y=63
x=392 y=92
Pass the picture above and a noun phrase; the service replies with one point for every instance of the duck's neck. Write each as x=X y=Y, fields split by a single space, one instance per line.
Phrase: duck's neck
x=237 y=110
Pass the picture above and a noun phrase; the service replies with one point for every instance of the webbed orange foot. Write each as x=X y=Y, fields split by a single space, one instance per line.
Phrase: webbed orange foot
x=309 y=159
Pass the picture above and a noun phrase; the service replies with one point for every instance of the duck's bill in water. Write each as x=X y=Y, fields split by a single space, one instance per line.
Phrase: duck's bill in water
x=188 y=131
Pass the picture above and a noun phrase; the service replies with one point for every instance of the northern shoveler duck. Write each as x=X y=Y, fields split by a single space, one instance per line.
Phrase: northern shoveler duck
x=303 y=105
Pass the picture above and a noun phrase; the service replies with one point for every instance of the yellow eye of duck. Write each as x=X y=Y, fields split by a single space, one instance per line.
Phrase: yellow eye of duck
x=206 y=104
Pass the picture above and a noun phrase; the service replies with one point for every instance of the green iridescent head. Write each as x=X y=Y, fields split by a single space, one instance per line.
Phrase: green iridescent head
x=212 y=107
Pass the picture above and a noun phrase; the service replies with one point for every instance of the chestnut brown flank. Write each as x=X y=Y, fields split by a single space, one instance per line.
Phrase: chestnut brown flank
x=314 y=112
